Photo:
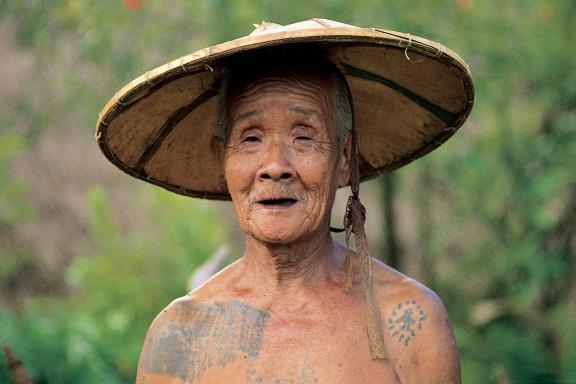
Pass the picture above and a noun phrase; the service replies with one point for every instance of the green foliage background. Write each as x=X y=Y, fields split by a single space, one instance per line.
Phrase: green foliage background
x=491 y=215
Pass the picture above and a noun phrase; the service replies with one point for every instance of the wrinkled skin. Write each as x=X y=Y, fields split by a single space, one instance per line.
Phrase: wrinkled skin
x=283 y=145
x=280 y=313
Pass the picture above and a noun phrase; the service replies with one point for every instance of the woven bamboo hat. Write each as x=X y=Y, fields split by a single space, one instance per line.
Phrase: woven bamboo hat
x=409 y=95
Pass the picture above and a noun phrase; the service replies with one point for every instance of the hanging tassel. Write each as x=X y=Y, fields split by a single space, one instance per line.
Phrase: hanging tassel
x=354 y=224
x=373 y=318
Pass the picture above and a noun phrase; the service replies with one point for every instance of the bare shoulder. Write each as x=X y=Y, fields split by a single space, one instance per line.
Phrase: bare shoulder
x=417 y=331
x=206 y=328
x=398 y=290
x=169 y=336
x=186 y=310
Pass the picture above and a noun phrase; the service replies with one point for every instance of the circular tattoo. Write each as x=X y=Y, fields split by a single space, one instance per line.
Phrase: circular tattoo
x=406 y=320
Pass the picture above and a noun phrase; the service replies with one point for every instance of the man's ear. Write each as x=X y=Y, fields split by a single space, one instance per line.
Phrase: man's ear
x=344 y=164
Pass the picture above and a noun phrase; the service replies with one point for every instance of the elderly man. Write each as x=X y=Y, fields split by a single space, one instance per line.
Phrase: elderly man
x=297 y=307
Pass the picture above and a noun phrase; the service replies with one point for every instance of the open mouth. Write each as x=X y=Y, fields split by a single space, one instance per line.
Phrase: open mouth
x=277 y=202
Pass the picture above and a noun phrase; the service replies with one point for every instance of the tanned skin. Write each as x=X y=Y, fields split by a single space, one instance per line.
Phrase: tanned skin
x=280 y=313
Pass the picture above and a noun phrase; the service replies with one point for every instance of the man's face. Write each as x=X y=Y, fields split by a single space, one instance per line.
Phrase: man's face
x=282 y=160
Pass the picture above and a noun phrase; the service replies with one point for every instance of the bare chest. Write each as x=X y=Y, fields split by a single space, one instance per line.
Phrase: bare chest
x=332 y=355
x=296 y=349
x=237 y=343
x=306 y=369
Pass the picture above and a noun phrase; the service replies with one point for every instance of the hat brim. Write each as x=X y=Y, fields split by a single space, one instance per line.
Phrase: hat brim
x=409 y=96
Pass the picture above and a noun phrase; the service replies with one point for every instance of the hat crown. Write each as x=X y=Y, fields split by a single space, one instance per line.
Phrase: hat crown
x=263 y=27
x=267 y=27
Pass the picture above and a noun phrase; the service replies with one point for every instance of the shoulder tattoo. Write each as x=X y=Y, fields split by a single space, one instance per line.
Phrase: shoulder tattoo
x=406 y=320
x=207 y=335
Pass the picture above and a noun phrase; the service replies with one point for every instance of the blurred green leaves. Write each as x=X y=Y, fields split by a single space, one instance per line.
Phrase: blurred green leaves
x=117 y=288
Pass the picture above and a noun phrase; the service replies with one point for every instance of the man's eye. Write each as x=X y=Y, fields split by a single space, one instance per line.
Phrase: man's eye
x=304 y=138
x=251 y=139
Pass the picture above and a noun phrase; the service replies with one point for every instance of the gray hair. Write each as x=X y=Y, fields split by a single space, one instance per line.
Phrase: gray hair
x=342 y=105
x=342 y=108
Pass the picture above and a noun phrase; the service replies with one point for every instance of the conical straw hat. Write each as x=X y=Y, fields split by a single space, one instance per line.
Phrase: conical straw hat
x=409 y=95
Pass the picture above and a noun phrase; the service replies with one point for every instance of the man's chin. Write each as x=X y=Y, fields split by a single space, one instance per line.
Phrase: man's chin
x=282 y=229
x=276 y=238
x=278 y=235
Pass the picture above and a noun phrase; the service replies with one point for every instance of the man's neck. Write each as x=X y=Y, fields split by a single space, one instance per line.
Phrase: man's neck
x=289 y=268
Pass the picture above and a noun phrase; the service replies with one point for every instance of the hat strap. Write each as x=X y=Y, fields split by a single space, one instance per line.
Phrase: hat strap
x=354 y=223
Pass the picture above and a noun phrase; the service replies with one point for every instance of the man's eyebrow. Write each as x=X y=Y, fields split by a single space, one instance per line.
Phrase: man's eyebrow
x=306 y=111
x=247 y=114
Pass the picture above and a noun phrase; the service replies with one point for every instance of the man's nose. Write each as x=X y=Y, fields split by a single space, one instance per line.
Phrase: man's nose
x=276 y=164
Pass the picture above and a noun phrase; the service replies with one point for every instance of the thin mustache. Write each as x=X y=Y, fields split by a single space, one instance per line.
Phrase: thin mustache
x=276 y=192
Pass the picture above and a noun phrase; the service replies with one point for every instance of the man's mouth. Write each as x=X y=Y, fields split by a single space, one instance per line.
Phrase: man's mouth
x=277 y=202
